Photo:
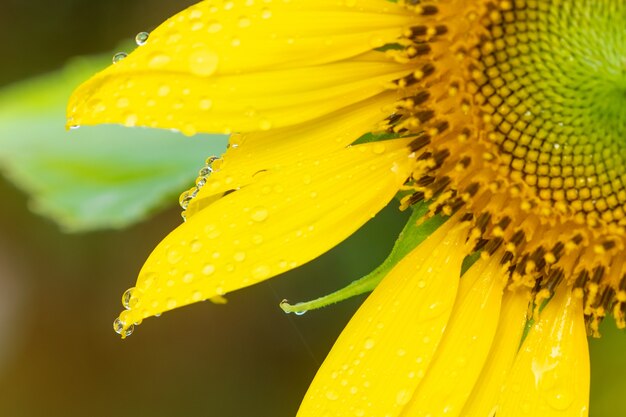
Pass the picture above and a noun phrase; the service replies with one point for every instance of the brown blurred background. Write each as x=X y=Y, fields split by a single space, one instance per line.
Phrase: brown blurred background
x=59 y=293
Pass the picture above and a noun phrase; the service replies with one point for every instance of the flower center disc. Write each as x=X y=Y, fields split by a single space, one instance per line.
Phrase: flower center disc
x=518 y=108
x=553 y=80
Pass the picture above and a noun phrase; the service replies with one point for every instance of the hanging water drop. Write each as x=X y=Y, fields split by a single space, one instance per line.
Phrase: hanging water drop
x=290 y=308
x=184 y=199
x=142 y=38
x=128 y=299
x=119 y=56
x=118 y=326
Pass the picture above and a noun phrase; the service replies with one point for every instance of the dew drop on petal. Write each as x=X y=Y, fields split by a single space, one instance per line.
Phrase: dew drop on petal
x=378 y=149
x=205 y=104
x=265 y=124
x=142 y=38
x=196 y=246
x=203 y=63
x=261 y=272
x=170 y=303
x=174 y=256
x=214 y=27
x=369 y=344
x=208 y=269
x=331 y=395
x=266 y=13
x=128 y=299
x=119 y=56
x=158 y=60
x=259 y=214
x=118 y=326
x=244 y=22
x=403 y=397
x=130 y=120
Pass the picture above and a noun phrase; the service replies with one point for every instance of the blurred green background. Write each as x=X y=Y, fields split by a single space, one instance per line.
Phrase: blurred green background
x=59 y=292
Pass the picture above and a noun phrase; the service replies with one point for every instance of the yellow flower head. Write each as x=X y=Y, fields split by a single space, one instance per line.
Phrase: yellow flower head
x=507 y=116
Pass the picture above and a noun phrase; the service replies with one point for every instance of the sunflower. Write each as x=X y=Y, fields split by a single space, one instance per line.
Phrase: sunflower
x=503 y=120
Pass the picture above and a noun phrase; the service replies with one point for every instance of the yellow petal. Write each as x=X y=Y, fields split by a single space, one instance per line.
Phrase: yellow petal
x=506 y=343
x=384 y=351
x=284 y=219
x=261 y=151
x=465 y=344
x=550 y=376
x=285 y=62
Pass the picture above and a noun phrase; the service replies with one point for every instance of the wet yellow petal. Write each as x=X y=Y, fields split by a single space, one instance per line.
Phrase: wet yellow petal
x=465 y=344
x=384 y=351
x=506 y=343
x=233 y=66
x=282 y=220
x=260 y=151
x=550 y=376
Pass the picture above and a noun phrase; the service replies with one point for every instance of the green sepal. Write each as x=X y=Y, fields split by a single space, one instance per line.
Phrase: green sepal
x=411 y=236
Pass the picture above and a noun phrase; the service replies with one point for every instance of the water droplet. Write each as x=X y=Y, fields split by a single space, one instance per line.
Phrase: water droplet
x=200 y=181
x=196 y=296
x=74 y=127
x=118 y=326
x=265 y=124
x=164 y=90
x=331 y=395
x=158 y=60
x=196 y=246
x=205 y=104
x=188 y=277
x=403 y=397
x=142 y=38
x=130 y=119
x=122 y=102
x=300 y=312
x=239 y=256
x=261 y=272
x=184 y=199
x=214 y=27
x=378 y=149
x=208 y=269
x=119 y=56
x=369 y=343
x=128 y=299
x=259 y=214
x=203 y=63
x=174 y=256
x=196 y=26
x=244 y=22
x=170 y=303
x=266 y=13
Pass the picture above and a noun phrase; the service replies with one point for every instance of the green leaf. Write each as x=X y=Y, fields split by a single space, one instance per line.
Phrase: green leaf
x=93 y=177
